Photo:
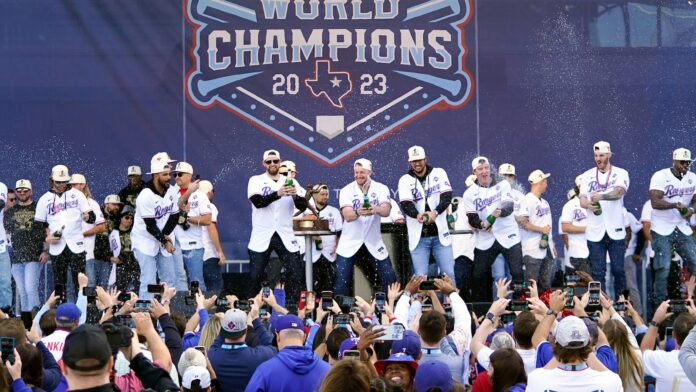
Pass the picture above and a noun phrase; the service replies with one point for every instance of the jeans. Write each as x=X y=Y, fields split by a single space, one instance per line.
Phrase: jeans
x=179 y=271
x=499 y=270
x=684 y=245
x=98 y=272
x=150 y=268
x=598 y=258
x=63 y=262
x=464 y=271
x=26 y=276
x=5 y=280
x=380 y=271
x=541 y=270
x=193 y=260
x=212 y=275
x=292 y=261
x=483 y=259
x=632 y=282
x=443 y=255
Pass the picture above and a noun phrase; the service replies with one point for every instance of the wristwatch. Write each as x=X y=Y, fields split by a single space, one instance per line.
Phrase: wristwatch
x=551 y=312
x=491 y=317
x=654 y=323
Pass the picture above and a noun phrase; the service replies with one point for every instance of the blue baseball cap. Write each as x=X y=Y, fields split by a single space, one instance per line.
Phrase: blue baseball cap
x=67 y=313
x=289 y=321
x=433 y=374
x=409 y=345
x=348 y=344
x=396 y=358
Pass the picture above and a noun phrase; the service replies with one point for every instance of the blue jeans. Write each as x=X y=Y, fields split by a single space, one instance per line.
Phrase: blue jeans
x=150 y=268
x=379 y=272
x=212 y=274
x=598 y=258
x=684 y=245
x=442 y=254
x=98 y=272
x=499 y=270
x=179 y=271
x=193 y=260
x=26 y=276
x=5 y=280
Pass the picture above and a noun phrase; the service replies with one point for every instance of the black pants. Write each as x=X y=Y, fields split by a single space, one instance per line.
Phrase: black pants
x=463 y=272
x=128 y=273
x=294 y=269
x=482 y=281
x=324 y=275
x=64 y=261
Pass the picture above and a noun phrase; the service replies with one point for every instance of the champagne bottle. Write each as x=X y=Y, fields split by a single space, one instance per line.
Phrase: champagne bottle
x=544 y=242
x=426 y=218
x=319 y=243
x=598 y=207
x=59 y=233
x=366 y=203
x=183 y=220
x=450 y=221
x=491 y=219
x=288 y=179
x=683 y=211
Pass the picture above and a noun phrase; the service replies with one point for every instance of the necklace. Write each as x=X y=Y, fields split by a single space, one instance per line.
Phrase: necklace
x=600 y=185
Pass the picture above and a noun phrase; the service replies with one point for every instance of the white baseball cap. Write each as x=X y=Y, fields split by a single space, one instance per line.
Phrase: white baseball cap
x=578 y=180
x=602 y=147
x=159 y=167
x=290 y=165
x=572 y=332
x=195 y=373
x=268 y=153
x=112 y=199
x=77 y=179
x=416 y=153
x=161 y=157
x=364 y=163
x=571 y=194
x=23 y=184
x=234 y=324
x=190 y=357
x=60 y=173
x=476 y=162
x=134 y=171
x=507 y=168
x=681 y=154
x=206 y=186
x=537 y=176
x=183 y=167
x=470 y=180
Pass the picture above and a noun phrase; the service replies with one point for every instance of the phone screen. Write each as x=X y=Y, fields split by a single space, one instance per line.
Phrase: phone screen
x=155 y=288
x=7 y=345
x=89 y=291
x=326 y=300
x=380 y=298
x=594 y=289
x=569 y=293
x=27 y=320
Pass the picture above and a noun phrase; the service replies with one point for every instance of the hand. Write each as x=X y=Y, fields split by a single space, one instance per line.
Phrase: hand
x=537 y=306
x=205 y=303
x=193 y=186
x=604 y=316
x=579 y=308
x=231 y=301
x=419 y=218
x=365 y=212
x=33 y=335
x=142 y=322
x=52 y=299
x=82 y=280
x=498 y=307
x=329 y=324
x=545 y=229
x=43 y=257
x=355 y=324
x=291 y=191
x=169 y=292
x=253 y=310
x=691 y=286
x=533 y=289
x=485 y=226
x=496 y=213
x=595 y=197
x=368 y=337
x=388 y=310
x=15 y=369
x=52 y=240
x=222 y=258
x=127 y=306
x=431 y=215
x=691 y=307
x=606 y=303
x=169 y=247
x=271 y=300
x=399 y=221
x=445 y=285
x=335 y=308
x=412 y=285
x=661 y=313
x=115 y=260
x=103 y=297
x=157 y=310
x=557 y=301
x=364 y=306
x=585 y=278
x=635 y=258
x=310 y=301
x=393 y=292
x=502 y=286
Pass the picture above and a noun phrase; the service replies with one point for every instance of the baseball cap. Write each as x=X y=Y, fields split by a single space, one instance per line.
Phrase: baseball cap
x=127 y=210
x=578 y=180
x=113 y=199
x=396 y=358
x=193 y=373
x=478 y=161
x=572 y=332
x=289 y=321
x=571 y=194
x=234 y=324
x=86 y=348
x=67 y=313
x=134 y=171
x=190 y=358
x=161 y=157
x=206 y=186
x=537 y=176
x=681 y=154
x=183 y=167
x=416 y=153
x=159 y=167
x=268 y=153
x=602 y=147
x=470 y=180
x=433 y=374
x=507 y=168
x=23 y=184
x=348 y=344
x=290 y=165
x=410 y=345
x=77 y=179
x=60 y=173
x=364 y=163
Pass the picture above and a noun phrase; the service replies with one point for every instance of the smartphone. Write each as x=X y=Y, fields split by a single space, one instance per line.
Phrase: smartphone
x=620 y=306
x=124 y=297
x=342 y=319
x=345 y=302
x=194 y=287
x=242 y=305
x=380 y=300
x=223 y=304
x=668 y=332
x=393 y=332
x=7 y=345
x=201 y=349
x=264 y=310
x=59 y=289
x=427 y=285
x=572 y=278
x=677 y=306
x=569 y=294
x=351 y=354
x=155 y=288
x=326 y=300
x=507 y=318
x=518 y=306
x=426 y=308
x=142 y=305
x=594 y=288
x=27 y=320
x=89 y=291
x=520 y=291
x=266 y=290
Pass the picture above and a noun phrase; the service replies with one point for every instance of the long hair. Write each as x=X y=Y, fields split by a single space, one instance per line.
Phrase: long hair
x=630 y=363
x=210 y=331
x=508 y=369
x=347 y=375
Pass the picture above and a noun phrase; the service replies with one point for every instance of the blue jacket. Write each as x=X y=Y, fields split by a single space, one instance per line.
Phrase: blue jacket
x=295 y=368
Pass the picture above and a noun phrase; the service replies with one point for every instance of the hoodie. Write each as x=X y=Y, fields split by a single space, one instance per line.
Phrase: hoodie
x=295 y=368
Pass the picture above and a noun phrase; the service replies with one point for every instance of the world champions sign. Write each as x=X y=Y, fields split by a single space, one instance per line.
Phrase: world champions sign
x=329 y=76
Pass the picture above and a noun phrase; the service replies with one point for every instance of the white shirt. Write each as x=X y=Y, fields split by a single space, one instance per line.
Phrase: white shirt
x=89 y=241
x=528 y=357
x=667 y=370
x=64 y=210
x=3 y=235
x=394 y=214
x=483 y=201
x=550 y=380
x=151 y=205
x=328 y=242
x=411 y=189
x=574 y=214
x=274 y=218
x=646 y=216
x=366 y=229
x=55 y=342
x=635 y=226
x=209 y=249
x=664 y=222
x=199 y=205
x=517 y=199
x=539 y=213
x=610 y=221
x=463 y=244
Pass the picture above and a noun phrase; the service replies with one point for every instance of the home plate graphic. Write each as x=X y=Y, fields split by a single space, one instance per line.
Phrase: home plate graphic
x=329 y=77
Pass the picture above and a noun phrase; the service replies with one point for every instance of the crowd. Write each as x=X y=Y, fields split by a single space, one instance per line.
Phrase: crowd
x=116 y=269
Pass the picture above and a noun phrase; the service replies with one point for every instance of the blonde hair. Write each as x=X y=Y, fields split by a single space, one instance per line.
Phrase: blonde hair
x=630 y=363
x=347 y=375
x=210 y=331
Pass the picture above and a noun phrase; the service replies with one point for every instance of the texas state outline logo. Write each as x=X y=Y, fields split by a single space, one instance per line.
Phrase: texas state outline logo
x=329 y=77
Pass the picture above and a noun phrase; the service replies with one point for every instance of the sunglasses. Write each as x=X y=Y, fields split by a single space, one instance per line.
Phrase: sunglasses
x=129 y=217
x=180 y=174
x=61 y=182
x=11 y=199
x=685 y=163
x=272 y=161
x=22 y=190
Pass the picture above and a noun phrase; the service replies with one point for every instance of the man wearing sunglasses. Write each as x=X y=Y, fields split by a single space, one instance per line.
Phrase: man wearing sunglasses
x=673 y=199
x=273 y=205
x=62 y=210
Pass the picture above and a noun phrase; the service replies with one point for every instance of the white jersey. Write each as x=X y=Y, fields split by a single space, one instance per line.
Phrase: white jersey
x=3 y=235
x=631 y=222
x=411 y=189
x=89 y=240
x=539 y=213
x=328 y=242
x=366 y=229
x=395 y=213
x=664 y=222
x=517 y=200
x=463 y=244
x=668 y=372
x=547 y=380
x=574 y=214
x=646 y=216
x=199 y=205
x=610 y=221
x=209 y=249
x=483 y=201
x=151 y=205
x=64 y=210
x=274 y=218
x=55 y=342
